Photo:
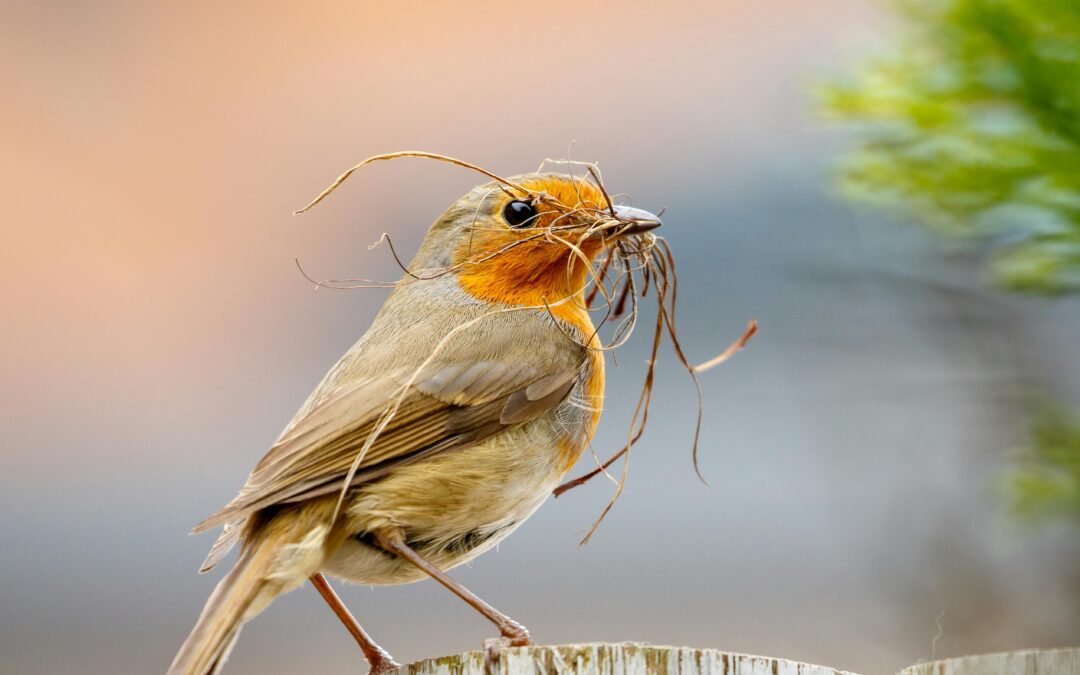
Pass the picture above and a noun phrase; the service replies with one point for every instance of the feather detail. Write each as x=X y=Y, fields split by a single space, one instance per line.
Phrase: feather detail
x=280 y=556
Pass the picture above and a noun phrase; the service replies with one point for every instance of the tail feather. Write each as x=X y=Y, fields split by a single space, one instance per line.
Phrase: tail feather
x=219 y=664
x=206 y=648
x=278 y=556
x=230 y=535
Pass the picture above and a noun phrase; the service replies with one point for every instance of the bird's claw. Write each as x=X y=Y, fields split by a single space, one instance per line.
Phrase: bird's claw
x=383 y=664
x=517 y=635
x=512 y=636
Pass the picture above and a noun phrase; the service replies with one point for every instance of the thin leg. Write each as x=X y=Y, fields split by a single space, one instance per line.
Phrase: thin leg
x=377 y=657
x=393 y=541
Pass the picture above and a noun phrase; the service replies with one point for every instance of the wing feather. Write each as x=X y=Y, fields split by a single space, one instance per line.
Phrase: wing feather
x=447 y=406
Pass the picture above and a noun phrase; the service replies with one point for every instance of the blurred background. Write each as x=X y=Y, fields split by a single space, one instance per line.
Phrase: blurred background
x=878 y=494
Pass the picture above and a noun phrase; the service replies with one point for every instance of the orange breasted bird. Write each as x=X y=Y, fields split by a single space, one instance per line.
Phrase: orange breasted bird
x=443 y=428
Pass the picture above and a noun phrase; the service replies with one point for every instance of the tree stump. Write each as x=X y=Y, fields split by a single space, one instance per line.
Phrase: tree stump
x=641 y=659
x=1030 y=662
x=613 y=659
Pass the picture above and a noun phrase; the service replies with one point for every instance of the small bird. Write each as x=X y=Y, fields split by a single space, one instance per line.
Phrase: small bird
x=474 y=391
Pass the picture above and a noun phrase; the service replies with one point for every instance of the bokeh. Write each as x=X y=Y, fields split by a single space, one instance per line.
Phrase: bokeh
x=158 y=334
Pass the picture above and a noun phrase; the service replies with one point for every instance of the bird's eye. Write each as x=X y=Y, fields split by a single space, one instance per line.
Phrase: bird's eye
x=519 y=214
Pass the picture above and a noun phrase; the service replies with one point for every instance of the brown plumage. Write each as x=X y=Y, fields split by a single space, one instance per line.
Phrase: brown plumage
x=445 y=426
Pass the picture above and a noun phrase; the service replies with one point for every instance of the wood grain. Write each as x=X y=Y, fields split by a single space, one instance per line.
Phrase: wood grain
x=1030 y=662
x=641 y=659
x=614 y=659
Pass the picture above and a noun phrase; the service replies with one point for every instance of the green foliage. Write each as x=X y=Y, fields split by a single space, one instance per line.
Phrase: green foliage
x=974 y=125
x=1047 y=484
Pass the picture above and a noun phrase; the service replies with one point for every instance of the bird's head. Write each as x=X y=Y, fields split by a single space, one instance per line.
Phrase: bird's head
x=530 y=240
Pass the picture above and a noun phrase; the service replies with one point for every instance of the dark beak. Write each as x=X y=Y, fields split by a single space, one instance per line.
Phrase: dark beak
x=634 y=221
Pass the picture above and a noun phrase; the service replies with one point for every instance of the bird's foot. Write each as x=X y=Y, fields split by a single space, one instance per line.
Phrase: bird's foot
x=382 y=662
x=513 y=635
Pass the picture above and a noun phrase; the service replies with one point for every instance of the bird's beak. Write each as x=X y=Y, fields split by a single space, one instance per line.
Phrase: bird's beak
x=633 y=221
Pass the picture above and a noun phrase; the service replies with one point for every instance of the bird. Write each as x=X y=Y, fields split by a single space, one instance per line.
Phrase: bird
x=444 y=427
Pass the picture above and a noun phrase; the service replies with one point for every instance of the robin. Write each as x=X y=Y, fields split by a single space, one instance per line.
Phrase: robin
x=474 y=391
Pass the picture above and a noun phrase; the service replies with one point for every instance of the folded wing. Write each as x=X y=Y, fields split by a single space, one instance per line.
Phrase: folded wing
x=444 y=406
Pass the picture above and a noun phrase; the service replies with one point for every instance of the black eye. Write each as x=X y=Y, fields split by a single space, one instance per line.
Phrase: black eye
x=519 y=214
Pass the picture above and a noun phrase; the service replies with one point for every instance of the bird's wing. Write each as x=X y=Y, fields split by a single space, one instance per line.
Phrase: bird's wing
x=441 y=407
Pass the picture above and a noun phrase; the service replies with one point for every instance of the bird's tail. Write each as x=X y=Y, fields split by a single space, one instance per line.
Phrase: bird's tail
x=274 y=565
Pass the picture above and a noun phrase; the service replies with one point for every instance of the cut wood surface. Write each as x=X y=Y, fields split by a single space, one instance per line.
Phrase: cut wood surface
x=614 y=659
x=1031 y=662
x=642 y=659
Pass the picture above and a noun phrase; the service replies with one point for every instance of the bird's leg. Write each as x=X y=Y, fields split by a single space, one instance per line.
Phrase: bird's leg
x=394 y=542
x=377 y=657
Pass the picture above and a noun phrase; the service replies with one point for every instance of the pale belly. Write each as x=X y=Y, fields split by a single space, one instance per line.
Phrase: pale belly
x=455 y=506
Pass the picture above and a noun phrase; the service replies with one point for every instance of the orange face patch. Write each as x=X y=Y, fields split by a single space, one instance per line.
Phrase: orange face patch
x=535 y=265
